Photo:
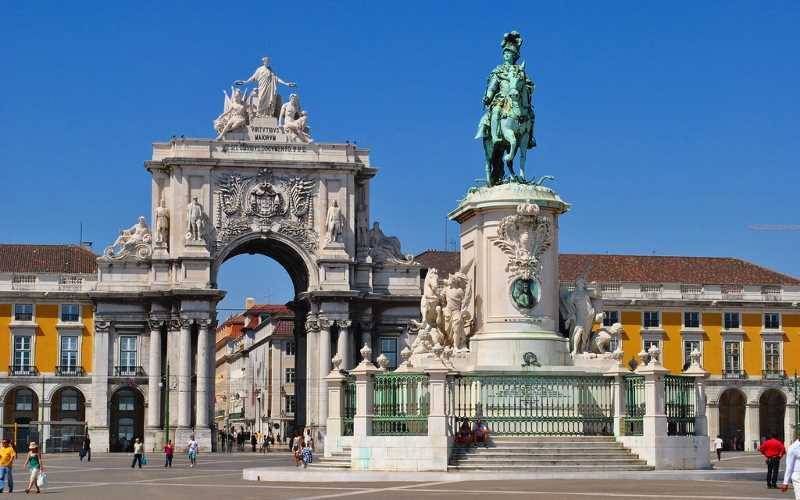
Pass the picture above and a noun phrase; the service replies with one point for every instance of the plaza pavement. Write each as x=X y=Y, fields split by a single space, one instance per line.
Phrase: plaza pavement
x=109 y=476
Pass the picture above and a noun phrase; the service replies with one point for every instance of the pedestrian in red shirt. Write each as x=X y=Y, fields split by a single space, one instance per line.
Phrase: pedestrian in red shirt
x=169 y=452
x=773 y=450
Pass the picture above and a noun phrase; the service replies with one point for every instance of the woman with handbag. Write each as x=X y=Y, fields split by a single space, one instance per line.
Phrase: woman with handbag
x=138 y=453
x=34 y=463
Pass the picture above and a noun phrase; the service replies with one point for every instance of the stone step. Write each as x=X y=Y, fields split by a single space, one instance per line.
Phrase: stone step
x=546 y=461
x=533 y=439
x=593 y=455
x=549 y=468
x=330 y=465
x=547 y=444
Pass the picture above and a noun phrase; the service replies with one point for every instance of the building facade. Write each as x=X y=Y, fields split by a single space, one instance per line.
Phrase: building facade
x=256 y=373
x=47 y=331
x=743 y=318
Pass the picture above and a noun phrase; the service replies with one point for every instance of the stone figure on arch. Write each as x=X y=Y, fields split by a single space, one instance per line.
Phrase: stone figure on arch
x=195 y=221
x=334 y=223
x=266 y=101
x=162 y=224
x=234 y=114
x=294 y=120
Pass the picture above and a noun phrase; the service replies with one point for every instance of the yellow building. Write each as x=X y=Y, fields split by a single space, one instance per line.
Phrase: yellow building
x=743 y=318
x=46 y=326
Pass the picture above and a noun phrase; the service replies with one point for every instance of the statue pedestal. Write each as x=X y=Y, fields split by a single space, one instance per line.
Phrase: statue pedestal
x=513 y=316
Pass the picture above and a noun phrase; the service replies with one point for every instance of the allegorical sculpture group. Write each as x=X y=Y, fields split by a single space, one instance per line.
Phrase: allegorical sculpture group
x=263 y=101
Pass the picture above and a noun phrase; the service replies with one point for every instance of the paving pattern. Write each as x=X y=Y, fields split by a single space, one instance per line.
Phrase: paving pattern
x=219 y=476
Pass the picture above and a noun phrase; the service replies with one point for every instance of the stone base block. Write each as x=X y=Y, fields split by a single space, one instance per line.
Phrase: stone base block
x=510 y=350
x=202 y=436
x=100 y=438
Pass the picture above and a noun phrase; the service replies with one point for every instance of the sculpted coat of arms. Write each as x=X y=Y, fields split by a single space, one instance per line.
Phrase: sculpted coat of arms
x=265 y=203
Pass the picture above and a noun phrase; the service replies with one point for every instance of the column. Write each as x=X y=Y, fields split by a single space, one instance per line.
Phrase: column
x=788 y=422
x=154 y=376
x=324 y=358
x=185 y=374
x=45 y=437
x=345 y=343
x=97 y=414
x=751 y=426
x=712 y=414
x=203 y=380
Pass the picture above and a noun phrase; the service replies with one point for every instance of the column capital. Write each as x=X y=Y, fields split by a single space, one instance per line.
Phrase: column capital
x=156 y=324
x=205 y=323
x=186 y=322
x=174 y=324
x=312 y=324
x=344 y=323
x=324 y=322
x=102 y=326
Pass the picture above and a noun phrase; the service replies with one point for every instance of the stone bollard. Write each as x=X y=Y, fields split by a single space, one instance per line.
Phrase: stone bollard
x=336 y=381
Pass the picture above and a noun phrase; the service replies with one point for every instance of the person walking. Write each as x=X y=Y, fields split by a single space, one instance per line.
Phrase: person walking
x=792 y=474
x=718 y=447
x=253 y=441
x=138 y=453
x=191 y=450
x=34 y=464
x=7 y=456
x=169 y=452
x=773 y=450
x=86 y=448
x=307 y=454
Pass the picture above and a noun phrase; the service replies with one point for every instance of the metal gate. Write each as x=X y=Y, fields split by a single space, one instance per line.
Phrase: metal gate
x=533 y=405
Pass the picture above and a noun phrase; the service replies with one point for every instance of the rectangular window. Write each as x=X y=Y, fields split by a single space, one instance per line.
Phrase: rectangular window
x=290 y=374
x=70 y=313
x=651 y=319
x=732 y=357
x=388 y=346
x=24 y=401
x=610 y=317
x=688 y=347
x=69 y=352
x=127 y=353
x=69 y=402
x=772 y=357
x=126 y=402
x=290 y=348
x=732 y=321
x=649 y=343
x=290 y=405
x=23 y=312
x=691 y=319
x=22 y=351
x=772 y=321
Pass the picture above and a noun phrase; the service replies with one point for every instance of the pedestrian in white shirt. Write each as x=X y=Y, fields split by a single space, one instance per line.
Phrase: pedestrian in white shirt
x=718 y=447
x=793 y=469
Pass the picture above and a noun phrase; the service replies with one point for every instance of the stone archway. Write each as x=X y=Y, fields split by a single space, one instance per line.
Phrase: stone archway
x=771 y=413
x=68 y=420
x=20 y=408
x=731 y=419
x=127 y=419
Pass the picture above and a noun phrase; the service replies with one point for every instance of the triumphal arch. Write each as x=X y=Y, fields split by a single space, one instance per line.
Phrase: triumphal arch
x=261 y=186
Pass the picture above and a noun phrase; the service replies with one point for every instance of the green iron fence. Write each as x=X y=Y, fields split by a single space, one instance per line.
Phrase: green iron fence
x=532 y=405
x=401 y=404
x=349 y=410
x=679 y=405
x=633 y=421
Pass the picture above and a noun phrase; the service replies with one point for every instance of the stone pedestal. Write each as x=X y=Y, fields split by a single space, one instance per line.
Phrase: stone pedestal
x=499 y=225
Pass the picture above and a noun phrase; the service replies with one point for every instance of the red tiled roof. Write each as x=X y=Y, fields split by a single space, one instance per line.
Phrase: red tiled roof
x=642 y=269
x=285 y=327
x=72 y=259
x=269 y=308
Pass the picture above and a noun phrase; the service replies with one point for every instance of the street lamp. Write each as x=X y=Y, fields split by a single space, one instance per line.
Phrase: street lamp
x=169 y=383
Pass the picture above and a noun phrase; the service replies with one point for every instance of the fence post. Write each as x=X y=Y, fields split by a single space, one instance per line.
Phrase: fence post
x=700 y=375
x=437 y=419
x=618 y=393
x=335 y=381
x=655 y=418
x=365 y=392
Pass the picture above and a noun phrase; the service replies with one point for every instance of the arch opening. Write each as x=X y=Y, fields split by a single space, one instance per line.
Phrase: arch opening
x=771 y=413
x=127 y=419
x=731 y=419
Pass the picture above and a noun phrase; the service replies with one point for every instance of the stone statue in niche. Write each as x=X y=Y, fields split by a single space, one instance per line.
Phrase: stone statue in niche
x=294 y=120
x=162 y=225
x=265 y=101
x=384 y=248
x=334 y=223
x=579 y=310
x=135 y=241
x=195 y=221
x=234 y=113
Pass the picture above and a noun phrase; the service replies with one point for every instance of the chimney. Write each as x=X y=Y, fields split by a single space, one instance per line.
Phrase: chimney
x=249 y=302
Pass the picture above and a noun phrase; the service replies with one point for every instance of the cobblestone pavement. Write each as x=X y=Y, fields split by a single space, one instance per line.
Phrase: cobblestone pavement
x=219 y=476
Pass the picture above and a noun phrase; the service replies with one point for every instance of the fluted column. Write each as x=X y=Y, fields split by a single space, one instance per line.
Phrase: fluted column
x=324 y=366
x=203 y=377
x=185 y=374
x=154 y=376
x=344 y=344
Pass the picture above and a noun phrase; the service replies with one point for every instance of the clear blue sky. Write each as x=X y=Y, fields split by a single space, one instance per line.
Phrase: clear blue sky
x=669 y=126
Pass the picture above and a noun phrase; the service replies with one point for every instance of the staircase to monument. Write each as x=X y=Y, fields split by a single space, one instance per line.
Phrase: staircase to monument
x=337 y=460
x=547 y=454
